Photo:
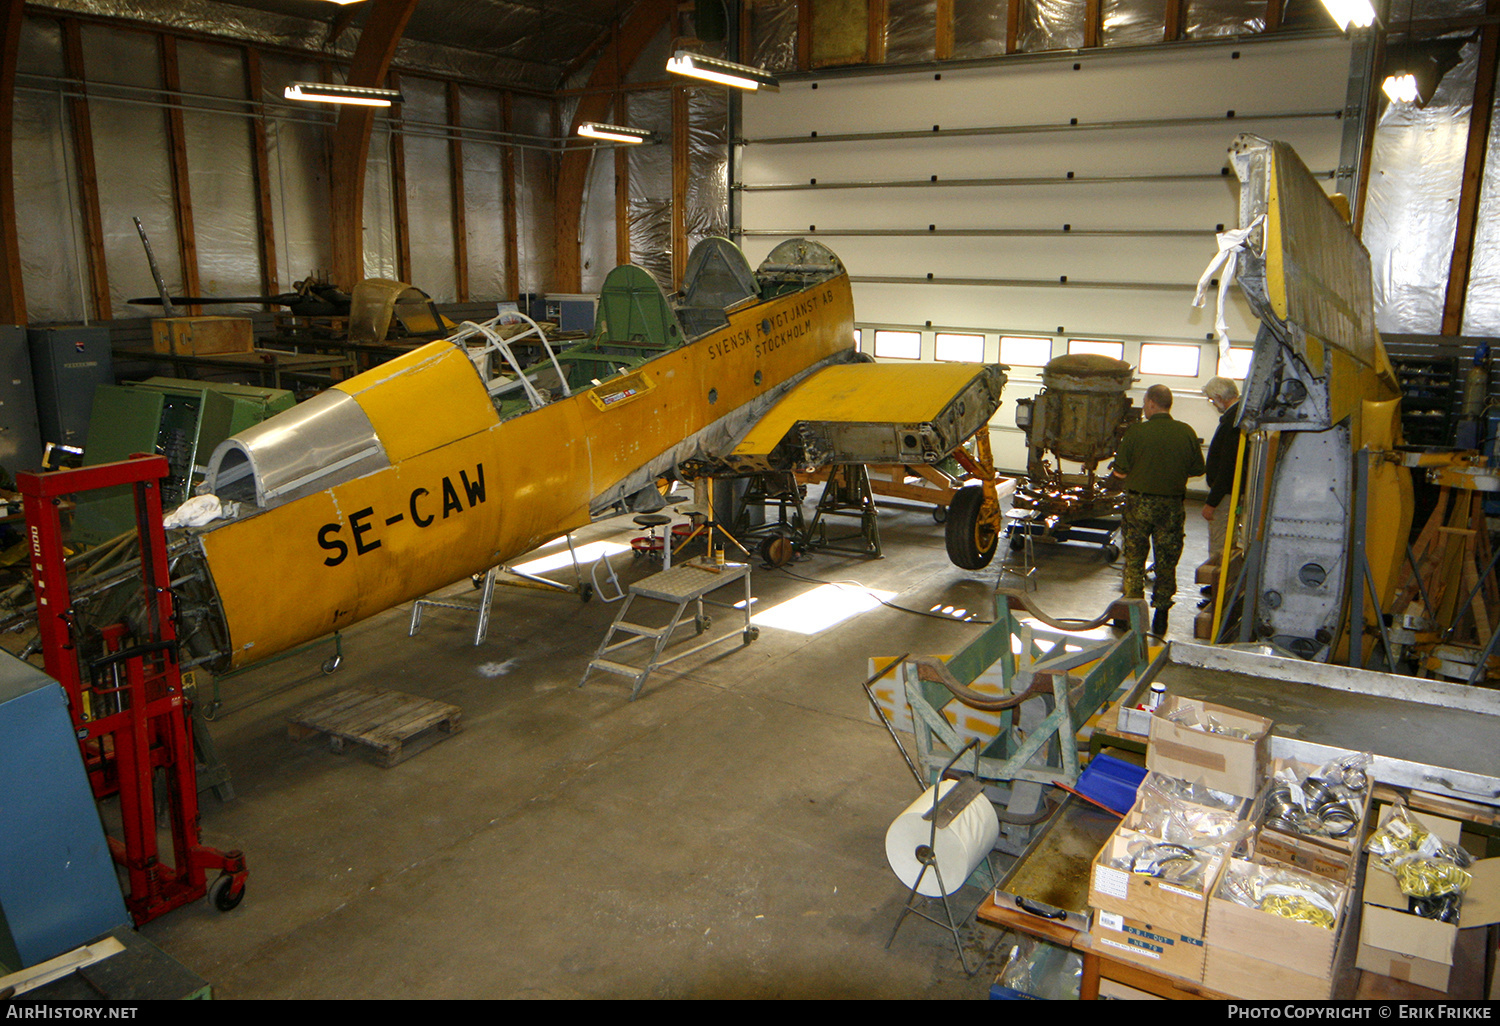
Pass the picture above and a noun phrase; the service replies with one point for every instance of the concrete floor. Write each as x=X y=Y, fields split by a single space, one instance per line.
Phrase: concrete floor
x=720 y=837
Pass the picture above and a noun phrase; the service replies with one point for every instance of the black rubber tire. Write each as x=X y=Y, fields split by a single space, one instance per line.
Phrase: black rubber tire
x=221 y=894
x=971 y=544
x=940 y=514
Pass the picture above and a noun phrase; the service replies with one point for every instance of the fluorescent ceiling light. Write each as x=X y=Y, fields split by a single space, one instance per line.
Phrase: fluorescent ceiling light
x=712 y=69
x=1401 y=88
x=613 y=133
x=321 y=92
x=820 y=608
x=1358 y=13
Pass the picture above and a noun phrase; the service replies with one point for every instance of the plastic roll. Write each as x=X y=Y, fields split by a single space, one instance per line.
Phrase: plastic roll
x=959 y=847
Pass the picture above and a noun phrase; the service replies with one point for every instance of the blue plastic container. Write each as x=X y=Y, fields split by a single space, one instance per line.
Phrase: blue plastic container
x=1111 y=782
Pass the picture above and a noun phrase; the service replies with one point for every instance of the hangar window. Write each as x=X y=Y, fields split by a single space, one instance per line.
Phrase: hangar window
x=958 y=348
x=898 y=345
x=1020 y=351
x=1236 y=363
x=1169 y=360
x=859 y=340
x=1094 y=346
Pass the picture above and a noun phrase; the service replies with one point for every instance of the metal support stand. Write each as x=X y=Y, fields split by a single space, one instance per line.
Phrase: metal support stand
x=944 y=811
x=487 y=585
x=847 y=494
x=777 y=491
x=1022 y=662
x=481 y=608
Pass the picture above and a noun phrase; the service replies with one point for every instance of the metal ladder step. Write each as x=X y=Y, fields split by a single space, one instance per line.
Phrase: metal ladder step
x=611 y=666
x=643 y=631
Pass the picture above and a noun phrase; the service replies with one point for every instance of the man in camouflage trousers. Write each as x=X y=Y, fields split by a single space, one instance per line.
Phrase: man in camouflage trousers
x=1153 y=463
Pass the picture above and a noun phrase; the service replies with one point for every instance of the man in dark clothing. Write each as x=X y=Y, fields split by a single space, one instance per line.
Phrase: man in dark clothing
x=1222 y=454
x=1154 y=461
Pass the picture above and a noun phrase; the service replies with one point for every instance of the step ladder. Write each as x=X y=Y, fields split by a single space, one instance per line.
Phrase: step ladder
x=682 y=586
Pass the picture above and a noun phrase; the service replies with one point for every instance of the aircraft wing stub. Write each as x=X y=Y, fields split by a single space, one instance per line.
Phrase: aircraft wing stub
x=872 y=413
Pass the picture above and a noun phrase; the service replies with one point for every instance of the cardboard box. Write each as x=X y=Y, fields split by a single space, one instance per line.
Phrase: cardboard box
x=1222 y=762
x=1163 y=951
x=1393 y=942
x=1302 y=852
x=202 y=336
x=1236 y=974
x=1162 y=906
x=1305 y=948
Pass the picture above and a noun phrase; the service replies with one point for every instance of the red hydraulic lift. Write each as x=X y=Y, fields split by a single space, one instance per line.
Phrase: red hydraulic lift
x=127 y=704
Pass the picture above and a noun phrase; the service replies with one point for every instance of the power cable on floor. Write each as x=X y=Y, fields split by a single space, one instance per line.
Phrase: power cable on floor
x=869 y=591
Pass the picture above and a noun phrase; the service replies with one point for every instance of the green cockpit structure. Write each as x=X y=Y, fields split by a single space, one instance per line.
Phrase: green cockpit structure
x=636 y=321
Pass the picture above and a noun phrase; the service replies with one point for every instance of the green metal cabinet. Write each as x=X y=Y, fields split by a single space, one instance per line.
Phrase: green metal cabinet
x=179 y=419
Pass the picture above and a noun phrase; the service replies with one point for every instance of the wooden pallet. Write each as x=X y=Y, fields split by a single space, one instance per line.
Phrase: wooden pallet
x=392 y=725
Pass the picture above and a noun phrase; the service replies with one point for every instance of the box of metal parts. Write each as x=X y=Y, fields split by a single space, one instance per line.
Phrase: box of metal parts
x=201 y=336
x=1163 y=886
x=1313 y=817
x=1278 y=916
x=1163 y=951
x=1200 y=742
x=1395 y=942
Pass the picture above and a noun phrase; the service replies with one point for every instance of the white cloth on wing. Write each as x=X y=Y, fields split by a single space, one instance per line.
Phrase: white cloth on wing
x=1231 y=244
x=196 y=512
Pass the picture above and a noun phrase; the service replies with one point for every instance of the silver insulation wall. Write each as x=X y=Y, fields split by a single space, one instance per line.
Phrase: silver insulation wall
x=429 y=187
x=53 y=256
x=980 y=26
x=649 y=196
x=1411 y=207
x=133 y=165
x=488 y=41
x=1482 y=308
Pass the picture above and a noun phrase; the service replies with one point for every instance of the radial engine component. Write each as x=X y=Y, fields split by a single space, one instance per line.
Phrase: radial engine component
x=1079 y=416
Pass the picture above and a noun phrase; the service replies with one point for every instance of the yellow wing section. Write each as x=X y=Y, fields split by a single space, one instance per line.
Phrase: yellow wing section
x=872 y=413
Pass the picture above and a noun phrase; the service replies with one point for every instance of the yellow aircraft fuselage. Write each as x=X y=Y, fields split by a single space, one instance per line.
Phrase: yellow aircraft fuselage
x=466 y=491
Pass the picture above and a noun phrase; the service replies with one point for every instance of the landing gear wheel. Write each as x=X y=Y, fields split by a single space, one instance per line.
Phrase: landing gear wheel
x=332 y=663
x=750 y=634
x=971 y=541
x=940 y=514
x=1111 y=552
x=1017 y=542
x=221 y=894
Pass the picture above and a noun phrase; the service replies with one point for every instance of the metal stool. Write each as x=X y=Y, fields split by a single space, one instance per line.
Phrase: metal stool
x=650 y=522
